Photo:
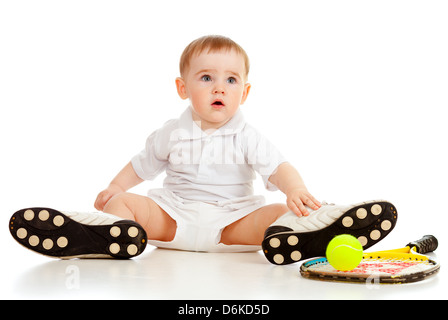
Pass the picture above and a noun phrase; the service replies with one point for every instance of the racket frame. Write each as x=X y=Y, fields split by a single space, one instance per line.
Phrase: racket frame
x=403 y=255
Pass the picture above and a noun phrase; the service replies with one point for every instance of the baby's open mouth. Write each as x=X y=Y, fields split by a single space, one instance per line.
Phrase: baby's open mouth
x=218 y=103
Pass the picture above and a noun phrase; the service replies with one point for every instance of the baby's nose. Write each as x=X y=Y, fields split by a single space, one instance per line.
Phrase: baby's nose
x=218 y=90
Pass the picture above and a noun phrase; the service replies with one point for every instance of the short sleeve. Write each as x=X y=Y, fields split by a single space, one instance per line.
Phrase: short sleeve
x=153 y=159
x=262 y=155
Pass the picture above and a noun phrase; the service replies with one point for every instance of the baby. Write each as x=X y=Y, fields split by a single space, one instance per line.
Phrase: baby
x=210 y=156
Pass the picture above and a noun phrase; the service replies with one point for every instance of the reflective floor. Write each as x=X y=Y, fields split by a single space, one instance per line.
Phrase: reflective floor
x=169 y=274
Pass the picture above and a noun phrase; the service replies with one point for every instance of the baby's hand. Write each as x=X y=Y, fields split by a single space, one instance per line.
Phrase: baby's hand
x=296 y=199
x=105 y=195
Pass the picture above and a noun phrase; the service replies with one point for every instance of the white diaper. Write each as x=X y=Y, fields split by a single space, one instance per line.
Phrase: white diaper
x=200 y=224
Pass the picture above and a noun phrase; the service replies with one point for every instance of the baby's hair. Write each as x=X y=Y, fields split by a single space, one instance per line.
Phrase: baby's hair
x=213 y=43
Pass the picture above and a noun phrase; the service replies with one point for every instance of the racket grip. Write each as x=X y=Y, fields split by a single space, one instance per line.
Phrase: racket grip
x=424 y=245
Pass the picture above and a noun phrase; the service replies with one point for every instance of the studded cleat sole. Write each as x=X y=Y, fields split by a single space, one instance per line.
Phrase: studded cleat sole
x=369 y=222
x=55 y=234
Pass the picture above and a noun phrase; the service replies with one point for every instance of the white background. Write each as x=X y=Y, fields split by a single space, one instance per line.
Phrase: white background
x=354 y=93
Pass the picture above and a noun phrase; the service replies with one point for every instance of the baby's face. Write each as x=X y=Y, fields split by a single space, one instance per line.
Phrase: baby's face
x=216 y=86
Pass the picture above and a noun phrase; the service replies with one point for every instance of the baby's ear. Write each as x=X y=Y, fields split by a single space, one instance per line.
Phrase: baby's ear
x=247 y=87
x=181 y=90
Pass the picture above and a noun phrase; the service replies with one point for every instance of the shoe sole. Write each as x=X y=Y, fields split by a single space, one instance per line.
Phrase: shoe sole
x=369 y=222
x=52 y=233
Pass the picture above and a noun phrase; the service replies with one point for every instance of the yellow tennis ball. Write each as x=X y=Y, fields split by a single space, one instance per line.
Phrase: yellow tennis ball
x=344 y=252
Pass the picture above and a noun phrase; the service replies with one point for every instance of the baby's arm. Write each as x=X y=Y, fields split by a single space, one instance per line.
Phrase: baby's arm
x=125 y=179
x=289 y=181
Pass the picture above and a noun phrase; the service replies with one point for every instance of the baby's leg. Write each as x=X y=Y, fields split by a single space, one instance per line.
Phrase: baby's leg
x=156 y=222
x=250 y=229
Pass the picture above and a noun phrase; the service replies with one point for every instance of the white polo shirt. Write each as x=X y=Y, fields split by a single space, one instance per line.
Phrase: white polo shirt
x=208 y=167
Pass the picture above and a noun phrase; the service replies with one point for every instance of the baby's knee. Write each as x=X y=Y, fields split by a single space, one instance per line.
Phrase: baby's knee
x=277 y=210
x=117 y=200
x=123 y=205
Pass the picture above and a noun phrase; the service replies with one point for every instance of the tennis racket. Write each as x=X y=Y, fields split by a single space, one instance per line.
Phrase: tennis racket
x=402 y=265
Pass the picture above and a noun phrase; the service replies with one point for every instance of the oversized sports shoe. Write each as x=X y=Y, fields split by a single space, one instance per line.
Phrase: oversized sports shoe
x=290 y=238
x=77 y=235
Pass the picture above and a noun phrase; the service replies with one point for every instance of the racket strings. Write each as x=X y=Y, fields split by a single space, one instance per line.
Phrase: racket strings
x=393 y=266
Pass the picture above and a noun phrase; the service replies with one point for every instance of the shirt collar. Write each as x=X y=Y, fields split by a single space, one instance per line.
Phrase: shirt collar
x=192 y=131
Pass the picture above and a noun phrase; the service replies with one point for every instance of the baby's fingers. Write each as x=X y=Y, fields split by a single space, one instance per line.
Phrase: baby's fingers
x=298 y=208
x=312 y=203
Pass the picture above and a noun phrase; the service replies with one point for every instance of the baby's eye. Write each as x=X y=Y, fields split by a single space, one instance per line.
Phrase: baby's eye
x=231 y=80
x=206 y=78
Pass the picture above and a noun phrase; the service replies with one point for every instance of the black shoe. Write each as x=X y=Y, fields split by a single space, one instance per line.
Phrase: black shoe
x=291 y=239
x=77 y=235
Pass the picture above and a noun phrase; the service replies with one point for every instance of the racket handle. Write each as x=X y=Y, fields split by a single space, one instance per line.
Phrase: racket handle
x=424 y=245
